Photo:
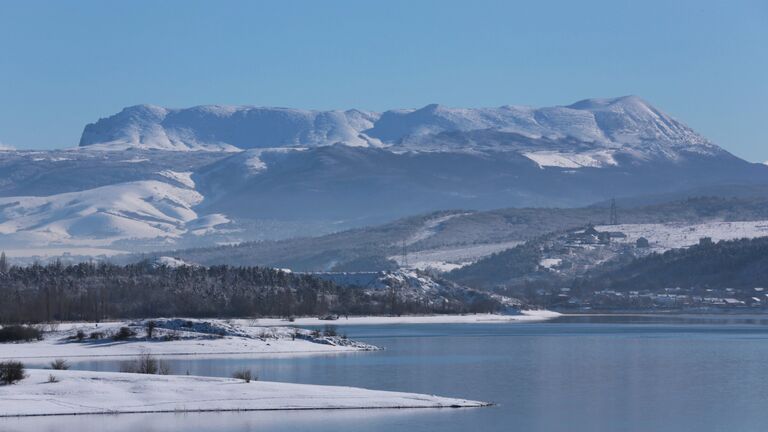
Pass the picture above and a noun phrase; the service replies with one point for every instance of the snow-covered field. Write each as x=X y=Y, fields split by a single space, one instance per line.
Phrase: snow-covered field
x=677 y=235
x=85 y=392
x=180 y=337
x=527 y=316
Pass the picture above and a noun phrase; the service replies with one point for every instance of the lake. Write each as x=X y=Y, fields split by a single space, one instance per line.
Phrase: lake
x=612 y=373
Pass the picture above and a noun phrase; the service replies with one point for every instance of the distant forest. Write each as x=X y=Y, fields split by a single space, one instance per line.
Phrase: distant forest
x=725 y=264
x=102 y=291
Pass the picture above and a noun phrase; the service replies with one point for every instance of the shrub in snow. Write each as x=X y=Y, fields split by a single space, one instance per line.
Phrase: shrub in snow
x=80 y=335
x=97 y=335
x=60 y=364
x=52 y=379
x=146 y=364
x=17 y=333
x=123 y=334
x=245 y=375
x=171 y=336
x=329 y=330
x=11 y=372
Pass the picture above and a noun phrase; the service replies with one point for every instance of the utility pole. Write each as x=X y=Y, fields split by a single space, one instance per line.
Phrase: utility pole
x=614 y=220
x=404 y=259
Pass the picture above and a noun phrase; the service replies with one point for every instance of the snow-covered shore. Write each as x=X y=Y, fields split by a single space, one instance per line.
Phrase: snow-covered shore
x=85 y=392
x=526 y=316
x=216 y=338
x=179 y=337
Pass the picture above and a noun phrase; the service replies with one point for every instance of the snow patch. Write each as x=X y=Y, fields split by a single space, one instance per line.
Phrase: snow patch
x=184 y=178
x=170 y=262
x=572 y=160
x=550 y=263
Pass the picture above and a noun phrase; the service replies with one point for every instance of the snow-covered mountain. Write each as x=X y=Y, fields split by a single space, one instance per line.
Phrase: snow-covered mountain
x=160 y=177
x=228 y=128
x=598 y=126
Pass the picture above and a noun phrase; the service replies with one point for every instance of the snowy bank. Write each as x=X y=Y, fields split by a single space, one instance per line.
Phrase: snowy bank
x=84 y=392
x=179 y=337
x=525 y=316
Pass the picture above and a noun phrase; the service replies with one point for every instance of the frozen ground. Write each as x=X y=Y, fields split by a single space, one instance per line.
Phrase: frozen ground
x=85 y=392
x=179 y=337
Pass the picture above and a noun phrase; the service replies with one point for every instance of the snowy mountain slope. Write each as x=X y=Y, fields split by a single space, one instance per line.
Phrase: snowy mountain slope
x=605 y=122
x=228 y=128
x=43 y=173
x=101 y=216
x=374 y=185
x=272 y=173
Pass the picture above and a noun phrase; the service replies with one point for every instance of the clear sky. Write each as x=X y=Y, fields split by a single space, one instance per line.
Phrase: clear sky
x=66 y=63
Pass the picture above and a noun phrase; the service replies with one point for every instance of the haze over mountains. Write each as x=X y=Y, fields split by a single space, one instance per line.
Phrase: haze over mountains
x=153 y=178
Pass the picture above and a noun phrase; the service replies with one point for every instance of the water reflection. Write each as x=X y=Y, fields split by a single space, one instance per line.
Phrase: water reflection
x=585 y=373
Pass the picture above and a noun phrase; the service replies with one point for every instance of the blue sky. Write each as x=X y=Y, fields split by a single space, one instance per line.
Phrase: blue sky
x=64 y=64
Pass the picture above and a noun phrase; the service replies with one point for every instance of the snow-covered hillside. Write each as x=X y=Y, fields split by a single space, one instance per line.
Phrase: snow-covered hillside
x=416 y=287
x=103 y=215
x=663 y=237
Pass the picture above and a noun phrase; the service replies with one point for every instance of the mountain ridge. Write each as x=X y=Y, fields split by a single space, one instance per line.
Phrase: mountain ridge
x=613 y=123
x=261 y=173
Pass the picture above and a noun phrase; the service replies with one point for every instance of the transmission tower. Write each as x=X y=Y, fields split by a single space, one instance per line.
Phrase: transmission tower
x=404 y=260
x=614 y=213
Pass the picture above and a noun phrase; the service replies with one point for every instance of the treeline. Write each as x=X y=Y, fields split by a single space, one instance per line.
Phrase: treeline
x=508 y=267
x=101 y=291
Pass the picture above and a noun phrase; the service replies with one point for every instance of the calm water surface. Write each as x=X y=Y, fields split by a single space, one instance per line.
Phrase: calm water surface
x=571 y=374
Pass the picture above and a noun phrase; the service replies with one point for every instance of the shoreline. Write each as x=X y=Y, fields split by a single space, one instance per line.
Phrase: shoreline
x=480 y=318
x=98 y=393
x=178 y=338
x=243 y=337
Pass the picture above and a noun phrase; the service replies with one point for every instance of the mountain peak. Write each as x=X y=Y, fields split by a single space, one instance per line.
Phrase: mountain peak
x=598 y=103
